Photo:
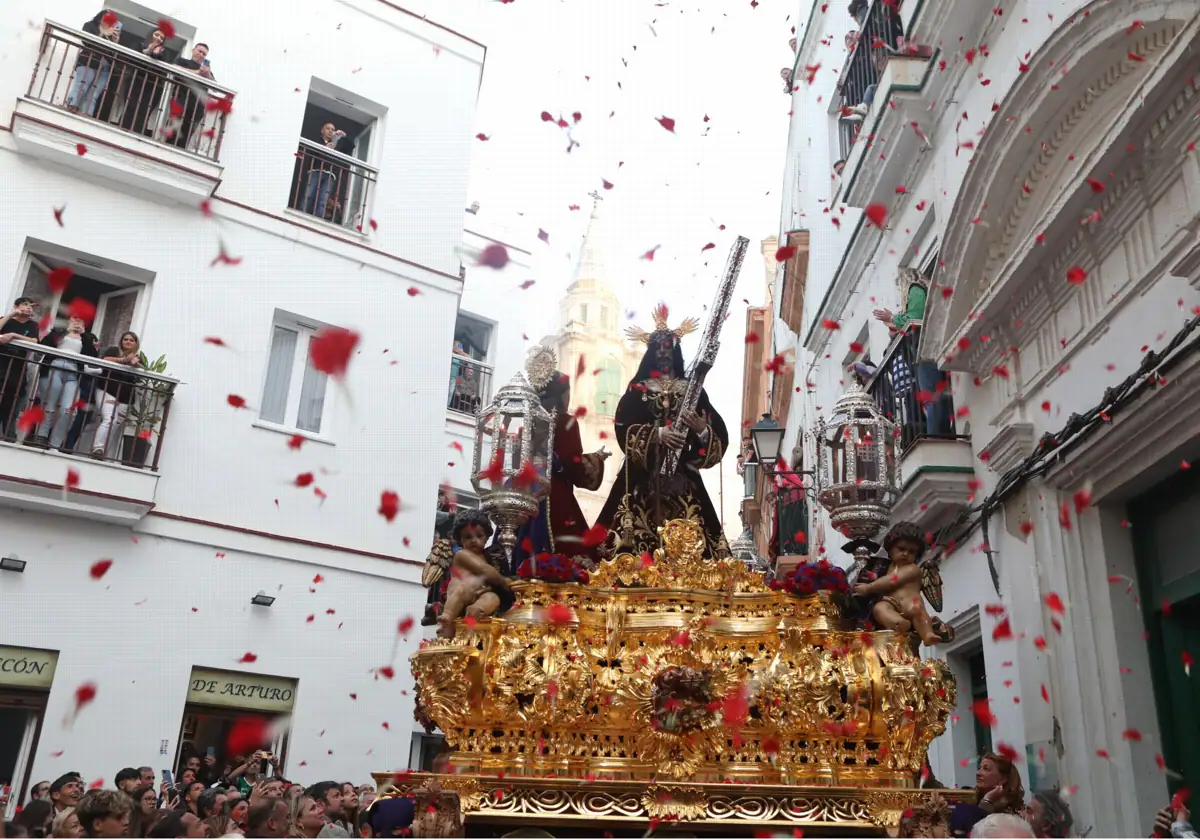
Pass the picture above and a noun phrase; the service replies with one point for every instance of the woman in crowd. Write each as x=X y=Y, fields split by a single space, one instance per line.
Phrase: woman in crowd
x=239 y=811
x=144 y=87
x=145 y=811
x=36 y=817
x=306 y=817
x=60 y=381
x=66 y=824
x=115 y=390
x=998 y=790
x=94 y=66
x=350 y=808
x=220 y=825
x=366 y=795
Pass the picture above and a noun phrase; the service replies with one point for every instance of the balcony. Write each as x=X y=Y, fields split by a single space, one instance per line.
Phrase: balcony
x=936 y=464
x=470 y=385
x=331 y=187
x=64 y=414
x=879 y=142
x=790 y=529
x=878 y=39
x=99 y=108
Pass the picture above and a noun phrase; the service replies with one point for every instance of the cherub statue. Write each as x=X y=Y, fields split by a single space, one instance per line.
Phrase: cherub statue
x=897 y=593
x=476 y=588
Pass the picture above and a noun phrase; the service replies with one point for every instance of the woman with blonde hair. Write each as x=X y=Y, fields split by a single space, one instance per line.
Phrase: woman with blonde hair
x=66 y=824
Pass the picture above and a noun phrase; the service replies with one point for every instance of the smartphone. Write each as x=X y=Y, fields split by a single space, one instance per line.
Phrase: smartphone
x=168 y=779
x=206 y=62
x=212 y=752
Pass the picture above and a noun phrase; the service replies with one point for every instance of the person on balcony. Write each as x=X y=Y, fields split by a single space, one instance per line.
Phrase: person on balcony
x=932 y=383
x=94 y=66
x=60 y=381
x=115 y=392
x=18 y=330
x=145 y=86
x=191 y=100
x=322 y=172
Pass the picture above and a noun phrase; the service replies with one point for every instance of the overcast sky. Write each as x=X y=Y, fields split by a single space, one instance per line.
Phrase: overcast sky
x=623 y=64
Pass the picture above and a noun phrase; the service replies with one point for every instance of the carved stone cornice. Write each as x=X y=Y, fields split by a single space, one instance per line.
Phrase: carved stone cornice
x=1001 y=217
x=1010 y=446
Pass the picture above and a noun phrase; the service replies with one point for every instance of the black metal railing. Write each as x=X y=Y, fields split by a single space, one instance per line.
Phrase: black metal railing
x=332 y=186
x=80 y=405
x=793 y=521
x=127 y=90
x=914 y=395
x=878 y=39
x=470 y=385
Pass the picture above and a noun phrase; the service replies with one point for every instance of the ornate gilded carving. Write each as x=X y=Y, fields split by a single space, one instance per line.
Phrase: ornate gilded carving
x=740 y=806
x=682 y=669
x=675 y=803
x=679 y=564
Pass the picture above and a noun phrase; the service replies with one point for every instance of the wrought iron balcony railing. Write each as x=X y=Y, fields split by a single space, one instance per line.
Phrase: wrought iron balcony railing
x=81 y=405
x=332 y=186
x=879 y=38
x=127 y=90
x=470 y=385
x=914 y=395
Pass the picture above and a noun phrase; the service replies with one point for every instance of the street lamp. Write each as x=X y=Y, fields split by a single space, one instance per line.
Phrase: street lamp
x=262 y=599
x=767 y=437
x=11 y=564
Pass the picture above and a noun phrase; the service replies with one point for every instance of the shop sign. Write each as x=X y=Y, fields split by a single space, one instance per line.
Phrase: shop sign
x=27 y=667
x=239 y=690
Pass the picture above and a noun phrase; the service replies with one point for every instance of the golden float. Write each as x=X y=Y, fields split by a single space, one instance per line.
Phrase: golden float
x=683 y=689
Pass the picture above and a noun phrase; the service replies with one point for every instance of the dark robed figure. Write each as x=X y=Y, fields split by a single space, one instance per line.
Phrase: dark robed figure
x=642 y=498
x=559 y=526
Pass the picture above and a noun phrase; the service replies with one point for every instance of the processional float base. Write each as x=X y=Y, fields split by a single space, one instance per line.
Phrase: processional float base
x=680 y=687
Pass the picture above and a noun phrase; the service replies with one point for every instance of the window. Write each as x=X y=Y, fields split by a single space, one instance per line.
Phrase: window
x=604 y=317
x=583 y=312
x=114 y=290
x=333 y=178
x=608 y=387
x=294 y=393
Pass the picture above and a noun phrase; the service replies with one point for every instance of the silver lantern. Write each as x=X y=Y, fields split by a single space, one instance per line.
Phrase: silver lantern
x=511 y=432
x=857 y=473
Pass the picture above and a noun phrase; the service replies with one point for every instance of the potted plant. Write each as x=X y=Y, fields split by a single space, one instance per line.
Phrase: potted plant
x=146 y=412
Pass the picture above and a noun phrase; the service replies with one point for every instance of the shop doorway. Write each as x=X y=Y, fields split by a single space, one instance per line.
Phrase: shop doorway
x=26 y=675
x=1163 y=522
x=219 y=701
x=206 y=730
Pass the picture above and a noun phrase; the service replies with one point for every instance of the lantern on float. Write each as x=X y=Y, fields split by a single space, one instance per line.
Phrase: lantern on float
x=514 y=434
x=857 y=469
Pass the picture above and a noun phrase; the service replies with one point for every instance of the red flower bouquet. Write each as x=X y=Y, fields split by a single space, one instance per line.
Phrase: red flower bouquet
x=554 y=568
x=807 y=578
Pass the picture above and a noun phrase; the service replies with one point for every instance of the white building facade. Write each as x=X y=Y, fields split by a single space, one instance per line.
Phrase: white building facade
x=1036 y=165
x=206 y=214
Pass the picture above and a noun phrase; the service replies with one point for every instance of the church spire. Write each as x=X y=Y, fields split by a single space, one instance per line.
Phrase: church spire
x=590 y=265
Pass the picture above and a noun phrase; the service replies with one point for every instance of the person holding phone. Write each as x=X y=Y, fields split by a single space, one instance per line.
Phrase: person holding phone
x=191 y=99
x=322 y=172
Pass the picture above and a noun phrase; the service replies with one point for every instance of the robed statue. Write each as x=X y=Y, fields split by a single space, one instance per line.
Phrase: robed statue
x=665 y=449
x=559 y=526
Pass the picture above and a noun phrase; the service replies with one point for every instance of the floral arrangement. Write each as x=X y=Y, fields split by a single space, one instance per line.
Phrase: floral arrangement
x=808 y=578
x=554 y=568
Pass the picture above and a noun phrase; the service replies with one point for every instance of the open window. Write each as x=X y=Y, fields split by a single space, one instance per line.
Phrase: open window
x=470 y=375
x=117 y=292
x=333 y=178
x=294 y=391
